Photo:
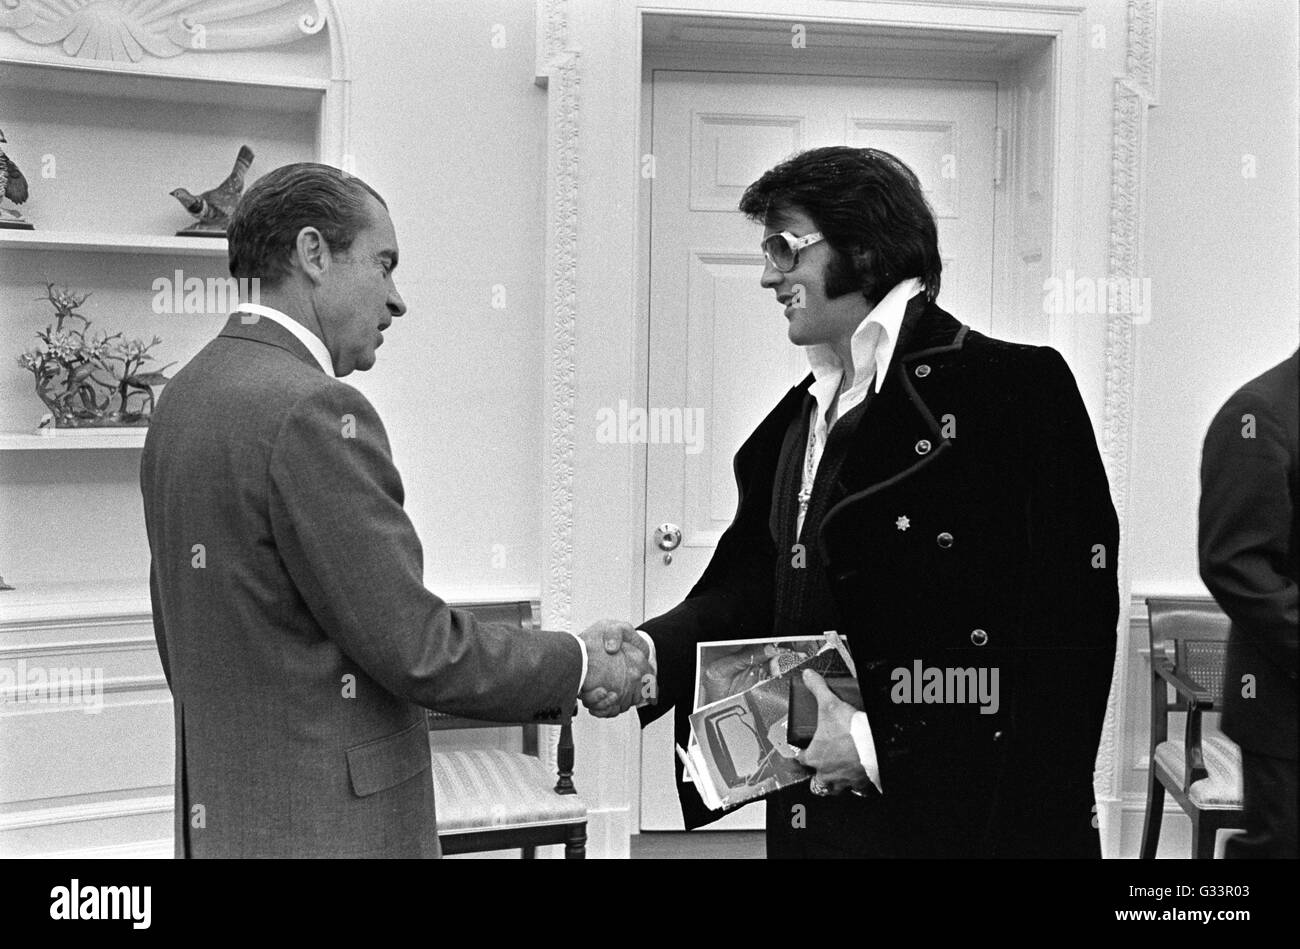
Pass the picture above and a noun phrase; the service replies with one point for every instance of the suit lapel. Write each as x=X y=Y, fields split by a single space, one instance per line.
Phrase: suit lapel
x=266 y=331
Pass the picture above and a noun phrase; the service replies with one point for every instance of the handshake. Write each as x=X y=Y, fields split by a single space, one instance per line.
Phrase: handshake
x=619 y=674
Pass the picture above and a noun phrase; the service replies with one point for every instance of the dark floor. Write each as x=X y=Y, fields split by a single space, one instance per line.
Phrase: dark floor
x=702 y=844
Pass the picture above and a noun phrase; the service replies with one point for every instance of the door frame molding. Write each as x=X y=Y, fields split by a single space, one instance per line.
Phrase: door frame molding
x=589 y=58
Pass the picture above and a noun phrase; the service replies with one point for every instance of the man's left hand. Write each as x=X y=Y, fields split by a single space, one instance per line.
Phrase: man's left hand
x=833 y=754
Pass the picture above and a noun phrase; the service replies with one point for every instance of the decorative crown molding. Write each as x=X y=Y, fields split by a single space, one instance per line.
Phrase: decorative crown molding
x=129 y=30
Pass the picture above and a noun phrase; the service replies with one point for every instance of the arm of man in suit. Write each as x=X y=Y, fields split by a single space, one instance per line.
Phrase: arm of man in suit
x=1245 y=520
x=339 y=525
x=1062 y=681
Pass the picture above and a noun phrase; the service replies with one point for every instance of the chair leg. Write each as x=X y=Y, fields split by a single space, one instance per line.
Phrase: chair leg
x=1203 y=838
x=575 y=846
x=529 y=853
x=1154 y=816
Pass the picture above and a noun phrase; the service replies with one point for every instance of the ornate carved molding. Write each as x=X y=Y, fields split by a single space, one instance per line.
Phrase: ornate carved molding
x=563 y=77
x=129 y=30
x=1132 y=96
x=1141 y=66
x=554 y=18
x=562 y=269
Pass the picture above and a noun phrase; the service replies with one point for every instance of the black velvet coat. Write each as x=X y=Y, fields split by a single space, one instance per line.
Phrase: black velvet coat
x=1007 y=560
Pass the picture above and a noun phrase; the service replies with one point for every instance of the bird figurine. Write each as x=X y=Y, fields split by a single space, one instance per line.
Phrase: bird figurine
x=13 y=186
x=213 y=208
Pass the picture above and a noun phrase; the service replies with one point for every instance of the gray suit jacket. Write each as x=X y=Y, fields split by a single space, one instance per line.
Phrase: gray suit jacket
x=297 y=636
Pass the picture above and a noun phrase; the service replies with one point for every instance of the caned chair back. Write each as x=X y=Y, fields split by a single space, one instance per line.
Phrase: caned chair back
x=1193 y=635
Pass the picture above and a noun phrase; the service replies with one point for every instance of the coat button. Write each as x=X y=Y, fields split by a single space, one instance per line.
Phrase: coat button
x=944 y=540
x=979 y=637
x=922 y=371
x=923 y=447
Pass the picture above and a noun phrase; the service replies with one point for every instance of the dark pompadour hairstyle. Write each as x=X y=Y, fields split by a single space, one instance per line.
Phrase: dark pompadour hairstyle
x=869 y=206
x=264 y=228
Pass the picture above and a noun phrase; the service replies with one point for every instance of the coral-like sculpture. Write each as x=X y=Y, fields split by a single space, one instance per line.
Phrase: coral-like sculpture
x=70 y=363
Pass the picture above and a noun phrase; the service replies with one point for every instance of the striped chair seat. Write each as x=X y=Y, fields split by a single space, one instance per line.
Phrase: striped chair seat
x=498 y=790
x=1222 y=789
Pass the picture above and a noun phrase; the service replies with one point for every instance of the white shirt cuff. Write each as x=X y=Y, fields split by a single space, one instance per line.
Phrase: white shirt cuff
x=582 y=645
x=860 y=729
x=650 y=651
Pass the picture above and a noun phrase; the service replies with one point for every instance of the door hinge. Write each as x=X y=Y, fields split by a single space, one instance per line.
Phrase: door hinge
x=999 y=155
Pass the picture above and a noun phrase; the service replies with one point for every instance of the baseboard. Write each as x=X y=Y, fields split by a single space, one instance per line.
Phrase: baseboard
x=120 y=827
x=162 y=849
x=609 y=833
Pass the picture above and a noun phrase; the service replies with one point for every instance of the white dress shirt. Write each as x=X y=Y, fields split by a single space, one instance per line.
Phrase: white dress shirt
x=872 y=348
x=305 y=336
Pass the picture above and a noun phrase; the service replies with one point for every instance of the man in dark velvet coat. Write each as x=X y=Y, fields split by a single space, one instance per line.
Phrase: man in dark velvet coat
x=950 y=507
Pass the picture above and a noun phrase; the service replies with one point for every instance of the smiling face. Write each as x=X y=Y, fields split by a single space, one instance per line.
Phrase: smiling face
x=828 y=313
x=356 y=299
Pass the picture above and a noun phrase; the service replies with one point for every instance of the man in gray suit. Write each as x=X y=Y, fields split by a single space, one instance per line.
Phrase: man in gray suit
x=299 y=642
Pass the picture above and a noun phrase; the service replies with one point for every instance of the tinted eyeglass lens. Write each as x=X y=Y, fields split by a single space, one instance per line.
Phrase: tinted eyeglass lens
x=779 y=252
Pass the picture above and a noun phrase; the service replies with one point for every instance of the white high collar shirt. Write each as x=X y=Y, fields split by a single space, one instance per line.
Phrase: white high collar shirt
x=305 y=336
x=872 y=347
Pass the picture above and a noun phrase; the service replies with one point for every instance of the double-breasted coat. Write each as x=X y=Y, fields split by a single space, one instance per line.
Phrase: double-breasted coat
x=970 y=527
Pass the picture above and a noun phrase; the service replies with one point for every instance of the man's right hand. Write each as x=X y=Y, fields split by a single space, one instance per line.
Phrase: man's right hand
x=617 y=665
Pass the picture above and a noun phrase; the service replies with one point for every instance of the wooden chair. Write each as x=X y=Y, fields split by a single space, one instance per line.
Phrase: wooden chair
x=493 y=799
x=1189 y=639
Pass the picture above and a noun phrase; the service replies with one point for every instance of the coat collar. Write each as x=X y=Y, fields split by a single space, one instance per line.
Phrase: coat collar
x=270 y=333
x=927 y=330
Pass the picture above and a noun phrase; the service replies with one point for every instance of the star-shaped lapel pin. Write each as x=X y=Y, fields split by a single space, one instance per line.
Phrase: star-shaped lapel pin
x=903 y=523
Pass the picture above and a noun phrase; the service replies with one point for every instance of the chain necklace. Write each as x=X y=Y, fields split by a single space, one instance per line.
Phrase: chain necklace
x=810 y=468
x=809 y=473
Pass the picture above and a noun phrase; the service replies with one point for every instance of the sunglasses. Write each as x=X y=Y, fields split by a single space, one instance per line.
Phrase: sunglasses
x=782 y=250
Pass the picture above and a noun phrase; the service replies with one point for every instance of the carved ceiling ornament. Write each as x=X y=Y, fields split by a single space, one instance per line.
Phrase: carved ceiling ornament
x=125 y=31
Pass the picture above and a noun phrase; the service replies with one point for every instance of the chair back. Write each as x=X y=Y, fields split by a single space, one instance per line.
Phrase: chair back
x=1192 y=633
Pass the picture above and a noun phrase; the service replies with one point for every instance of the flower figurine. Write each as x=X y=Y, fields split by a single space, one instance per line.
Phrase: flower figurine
x=87 y=380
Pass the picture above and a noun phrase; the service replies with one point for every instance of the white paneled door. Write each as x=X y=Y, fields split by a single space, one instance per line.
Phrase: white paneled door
x=718 y=350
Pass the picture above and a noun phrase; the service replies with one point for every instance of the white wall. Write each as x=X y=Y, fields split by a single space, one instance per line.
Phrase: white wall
x=452 y=132
x=1222 y=252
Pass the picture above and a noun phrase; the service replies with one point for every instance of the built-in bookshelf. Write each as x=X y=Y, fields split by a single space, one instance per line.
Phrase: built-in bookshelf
x=103 y=142
x=103 y=131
